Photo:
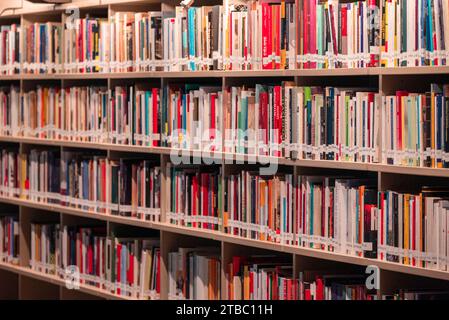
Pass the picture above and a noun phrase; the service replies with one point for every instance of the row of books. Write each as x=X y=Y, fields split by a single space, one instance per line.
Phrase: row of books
x=263 y=277
x=343 y=215
x=193 y=197
x=416 y=130
x=268 y=277
x=192 y=117
x=9 y=239
x=87 y=45
x=259 y=207
x=413 y=228
x=284 y=120
x=252 y=35
x=194 y=274
x=303 y=122
x=88 y=114
x=341 y=124
x=317 y=212
x=126 y=187
x=338 y=215
x=42 y=46
x=414 y=33
x=9 y=49
x=272 y=278
x=85 y=255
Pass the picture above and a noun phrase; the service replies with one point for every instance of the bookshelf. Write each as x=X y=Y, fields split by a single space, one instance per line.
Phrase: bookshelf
x=19 y=281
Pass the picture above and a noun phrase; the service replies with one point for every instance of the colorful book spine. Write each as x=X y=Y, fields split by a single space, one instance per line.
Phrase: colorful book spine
x=123 y=266
x=43 y=48
x=194 y=274
x=10 y=36
x=260 y=208
x=416 y=129
x=193 y=197
x=89 y=182
x=9 y=239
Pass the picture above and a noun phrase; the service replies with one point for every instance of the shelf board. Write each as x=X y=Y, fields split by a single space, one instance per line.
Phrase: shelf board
x=232 y=157
x=428 y=70
x=59 y=282
x=220 y=236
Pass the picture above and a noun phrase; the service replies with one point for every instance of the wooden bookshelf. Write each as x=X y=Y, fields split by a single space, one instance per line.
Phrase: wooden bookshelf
x=18 y=281
x=430 y=70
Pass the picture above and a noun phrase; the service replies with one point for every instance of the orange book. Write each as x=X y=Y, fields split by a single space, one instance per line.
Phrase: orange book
x=246 y=283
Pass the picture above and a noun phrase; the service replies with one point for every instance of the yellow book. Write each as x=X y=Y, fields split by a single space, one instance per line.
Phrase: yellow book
x=23 y=175
x=283 y=51
x=246 y=283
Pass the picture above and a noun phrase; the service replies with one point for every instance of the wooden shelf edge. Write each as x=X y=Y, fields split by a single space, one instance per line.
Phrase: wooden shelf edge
x=224 y=156
x=219 y=236
x=427 y=70
x=59 y=282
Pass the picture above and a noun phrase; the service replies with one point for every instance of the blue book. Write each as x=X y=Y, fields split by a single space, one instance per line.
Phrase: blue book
x=191 y=28
x=429 y=26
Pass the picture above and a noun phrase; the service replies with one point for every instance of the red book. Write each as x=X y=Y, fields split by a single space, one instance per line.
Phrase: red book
x=313 y=46
x=236 y=263
x=306 y=32
x=251 y=285
x=97 y=269
x=103 y=180
x=276 y=12
x=178 y=115
x=194 y=198
x=414 y=229
x=119 y=264
x=370 y=107
x=263 y=118
x=212 y=119
x=278 y=118
x=344 y=30
x=204 y=196
x=307 y=295
x=270 y=44
x=319 y=289
x=399 y=111
x=382 y=213
x=131 y=270
x=230 y=38
x=80 y=246
x=265 y=54
x=90 y=259
x=275 y=294
x=9 y=238
x=81 y=43
x=155 y=96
